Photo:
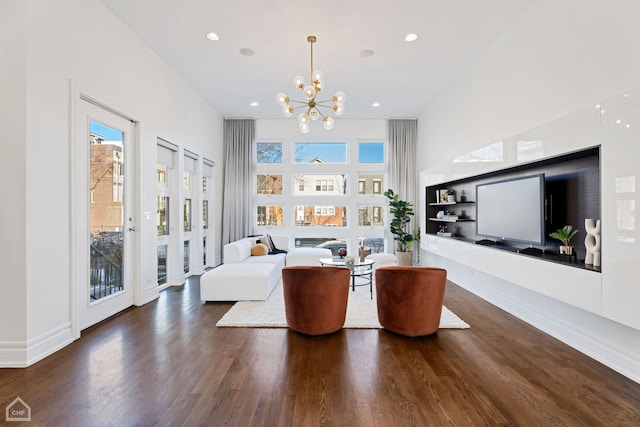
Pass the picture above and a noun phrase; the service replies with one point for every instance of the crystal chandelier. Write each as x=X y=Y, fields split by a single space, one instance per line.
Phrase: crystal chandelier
x=311 y=105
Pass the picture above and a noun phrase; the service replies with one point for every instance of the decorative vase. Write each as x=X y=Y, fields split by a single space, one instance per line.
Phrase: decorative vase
x=404 y=258
x=592 y=242
x=349 y=262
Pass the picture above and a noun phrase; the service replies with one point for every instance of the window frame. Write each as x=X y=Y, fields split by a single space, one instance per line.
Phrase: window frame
x=291 y=198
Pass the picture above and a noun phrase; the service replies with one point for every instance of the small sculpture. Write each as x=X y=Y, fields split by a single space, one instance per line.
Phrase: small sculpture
x=363 y=250
x=592 y=242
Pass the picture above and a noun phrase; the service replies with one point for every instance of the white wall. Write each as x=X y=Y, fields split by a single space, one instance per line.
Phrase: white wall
x=77 y=46
x=13 y=16
x=560 y=58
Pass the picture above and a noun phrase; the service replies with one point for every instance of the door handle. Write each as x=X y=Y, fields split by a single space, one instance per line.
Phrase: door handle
x=133 y=229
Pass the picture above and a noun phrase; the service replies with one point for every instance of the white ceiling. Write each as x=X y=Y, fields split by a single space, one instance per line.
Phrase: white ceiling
x=403 y=77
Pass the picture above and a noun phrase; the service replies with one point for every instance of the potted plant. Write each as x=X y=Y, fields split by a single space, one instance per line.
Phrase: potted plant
x=402 y=211
x=565 y=234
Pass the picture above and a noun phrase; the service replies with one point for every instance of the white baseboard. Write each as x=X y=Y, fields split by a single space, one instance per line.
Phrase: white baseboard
x=614 y=345
x=20 y=354
x=150 y=294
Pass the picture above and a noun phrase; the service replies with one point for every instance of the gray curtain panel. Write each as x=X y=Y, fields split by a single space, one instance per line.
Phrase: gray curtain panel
x=403 y=168
x=239 y=143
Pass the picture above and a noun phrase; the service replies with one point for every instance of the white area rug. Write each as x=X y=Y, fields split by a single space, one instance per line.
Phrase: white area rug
x=361 y=313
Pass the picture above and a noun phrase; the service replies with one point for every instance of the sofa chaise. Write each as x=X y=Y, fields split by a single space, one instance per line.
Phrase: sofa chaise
x=249 y=274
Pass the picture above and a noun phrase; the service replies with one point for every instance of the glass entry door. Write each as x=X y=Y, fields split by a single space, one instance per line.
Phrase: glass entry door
x=107 y=234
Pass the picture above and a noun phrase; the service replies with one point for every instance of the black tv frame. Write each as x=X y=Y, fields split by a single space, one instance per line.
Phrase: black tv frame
x=509 y=204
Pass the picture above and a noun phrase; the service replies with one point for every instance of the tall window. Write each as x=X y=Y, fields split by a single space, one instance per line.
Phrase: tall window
x=205 y=214
x=162 y=264
x=204 y=250
x=187 y=215
x=321 y=193
x=207 y=174
x=163 y=216
x=186 y=181
x=187 y=254
x=167 y=184
x=161 y=175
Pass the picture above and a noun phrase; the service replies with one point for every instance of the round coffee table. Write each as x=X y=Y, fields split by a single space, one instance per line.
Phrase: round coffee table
x=362 y=269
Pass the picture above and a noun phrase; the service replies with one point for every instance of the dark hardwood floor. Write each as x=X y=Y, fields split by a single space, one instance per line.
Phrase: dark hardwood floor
x=167 y=364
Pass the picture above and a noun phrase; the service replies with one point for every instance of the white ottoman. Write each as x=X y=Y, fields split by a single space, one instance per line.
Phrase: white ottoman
x=307 y=256
x=382 y=260
x=240 y=281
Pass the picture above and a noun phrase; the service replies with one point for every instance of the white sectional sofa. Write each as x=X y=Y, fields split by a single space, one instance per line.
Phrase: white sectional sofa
x=243 y=276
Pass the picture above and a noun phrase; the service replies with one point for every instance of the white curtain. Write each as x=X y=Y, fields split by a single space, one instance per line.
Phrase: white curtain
x=237 y=216
x=403 y=164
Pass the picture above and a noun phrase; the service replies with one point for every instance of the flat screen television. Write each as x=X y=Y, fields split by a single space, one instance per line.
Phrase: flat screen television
x=512 y=210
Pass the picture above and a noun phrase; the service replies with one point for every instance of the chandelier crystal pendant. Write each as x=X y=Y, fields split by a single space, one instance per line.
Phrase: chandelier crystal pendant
x=311 y=106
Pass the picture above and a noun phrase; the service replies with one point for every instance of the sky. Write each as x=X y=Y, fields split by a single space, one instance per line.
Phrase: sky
x=337 y=152
x=109 y=134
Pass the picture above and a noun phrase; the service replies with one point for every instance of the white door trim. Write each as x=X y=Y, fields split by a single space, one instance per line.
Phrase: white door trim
x=77 y=259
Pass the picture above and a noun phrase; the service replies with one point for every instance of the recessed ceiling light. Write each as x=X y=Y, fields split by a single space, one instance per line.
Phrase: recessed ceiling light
x=375 y=104
x=213 y=36
x=245 y=51
x=366 y=53
x=411 y=37
x=254 y=104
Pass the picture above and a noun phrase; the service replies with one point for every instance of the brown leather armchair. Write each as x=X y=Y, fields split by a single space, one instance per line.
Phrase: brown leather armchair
x=315 y=298
x=410 y=299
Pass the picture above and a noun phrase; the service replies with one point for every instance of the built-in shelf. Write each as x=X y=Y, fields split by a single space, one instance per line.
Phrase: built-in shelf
x=452 y=220
x=448 y=203
x=572 y=193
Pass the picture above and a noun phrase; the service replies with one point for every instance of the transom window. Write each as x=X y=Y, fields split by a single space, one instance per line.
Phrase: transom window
x=320 y=152
x=371 y=152
x=269 y=152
